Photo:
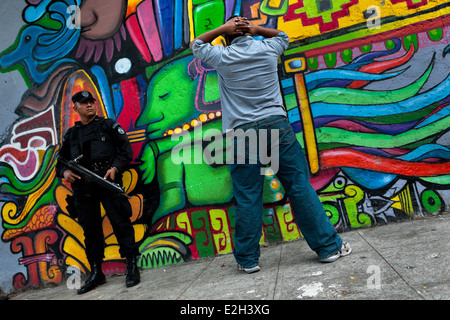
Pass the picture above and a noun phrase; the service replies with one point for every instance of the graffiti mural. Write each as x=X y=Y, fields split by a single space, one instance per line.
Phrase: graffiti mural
x=366 y=84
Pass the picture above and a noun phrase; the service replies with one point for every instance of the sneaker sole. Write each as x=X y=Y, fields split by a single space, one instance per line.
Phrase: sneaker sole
x=337 y=256
x=249 y=270
x=330 y=259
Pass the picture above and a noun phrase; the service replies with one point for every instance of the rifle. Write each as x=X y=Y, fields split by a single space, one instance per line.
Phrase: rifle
x=90 y=176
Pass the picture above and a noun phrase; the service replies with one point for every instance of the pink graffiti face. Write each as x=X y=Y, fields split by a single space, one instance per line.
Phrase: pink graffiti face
x=29 y=137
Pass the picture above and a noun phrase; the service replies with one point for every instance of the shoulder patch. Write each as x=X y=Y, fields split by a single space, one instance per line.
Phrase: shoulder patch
x=117 y=127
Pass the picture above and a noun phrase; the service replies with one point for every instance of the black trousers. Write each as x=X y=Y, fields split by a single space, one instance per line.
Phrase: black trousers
x=118 y=210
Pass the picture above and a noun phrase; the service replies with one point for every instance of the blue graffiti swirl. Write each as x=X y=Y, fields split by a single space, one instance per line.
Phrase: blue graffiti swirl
x=41 y=50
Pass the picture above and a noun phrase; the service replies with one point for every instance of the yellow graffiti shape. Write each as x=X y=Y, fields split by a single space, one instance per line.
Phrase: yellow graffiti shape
x=354 y=195
x=60 y=194
x=288 y=227
x=73 y=244
x=130 y=179
x=220 y=231
x=132 y=4
x=43 y=218
x=183 y=222
x=403 y=201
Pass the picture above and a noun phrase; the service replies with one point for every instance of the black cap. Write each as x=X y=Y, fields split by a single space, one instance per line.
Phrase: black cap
x=82 y=96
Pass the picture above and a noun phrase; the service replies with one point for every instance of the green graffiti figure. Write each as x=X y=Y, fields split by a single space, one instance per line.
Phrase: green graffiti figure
x=173 y=102
x=171 y=98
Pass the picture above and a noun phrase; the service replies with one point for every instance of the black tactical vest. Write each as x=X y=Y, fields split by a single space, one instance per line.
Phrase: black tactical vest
x=93 y=142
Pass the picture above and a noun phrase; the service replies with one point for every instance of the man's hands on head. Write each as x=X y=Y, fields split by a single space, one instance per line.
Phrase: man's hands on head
x=234 y=27
x=241 y=26
x=237 y=26
x=247 y=27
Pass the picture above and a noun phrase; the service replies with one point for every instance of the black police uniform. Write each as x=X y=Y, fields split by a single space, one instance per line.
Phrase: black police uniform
x=104 y=145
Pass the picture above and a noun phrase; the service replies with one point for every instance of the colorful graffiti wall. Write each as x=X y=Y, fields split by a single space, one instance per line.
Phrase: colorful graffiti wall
x=366 y=84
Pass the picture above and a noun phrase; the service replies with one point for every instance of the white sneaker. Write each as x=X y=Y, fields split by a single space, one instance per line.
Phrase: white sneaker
x=249 y=270
x=344 y=251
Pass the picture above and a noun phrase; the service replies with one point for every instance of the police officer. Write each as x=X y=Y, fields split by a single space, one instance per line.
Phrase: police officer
x=106 y=151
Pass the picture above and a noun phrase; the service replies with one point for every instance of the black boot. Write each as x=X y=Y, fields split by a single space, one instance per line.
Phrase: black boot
x=133 y=275
x=96 y=278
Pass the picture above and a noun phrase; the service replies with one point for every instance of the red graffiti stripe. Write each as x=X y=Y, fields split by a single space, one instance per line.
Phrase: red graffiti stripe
x=356 y=159
x=378 y=67
x=411 y=4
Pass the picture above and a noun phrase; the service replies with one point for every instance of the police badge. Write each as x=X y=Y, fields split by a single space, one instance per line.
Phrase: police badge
x=119 y=128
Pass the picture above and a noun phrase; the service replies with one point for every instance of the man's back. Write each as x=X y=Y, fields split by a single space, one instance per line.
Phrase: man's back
x=248 y=78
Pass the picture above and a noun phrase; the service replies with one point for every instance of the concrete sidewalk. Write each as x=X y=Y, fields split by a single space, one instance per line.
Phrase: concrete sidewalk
x=407 y=260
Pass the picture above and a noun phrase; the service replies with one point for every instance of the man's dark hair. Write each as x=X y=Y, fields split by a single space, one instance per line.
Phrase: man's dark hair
x=229 y=39
x=232 y=17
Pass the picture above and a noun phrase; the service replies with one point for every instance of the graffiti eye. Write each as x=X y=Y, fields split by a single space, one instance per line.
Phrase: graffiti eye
x=340 y=182
x=164 y=95
x=27 y=39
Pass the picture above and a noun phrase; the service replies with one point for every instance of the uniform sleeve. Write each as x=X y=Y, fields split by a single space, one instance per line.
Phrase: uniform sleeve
x=64 y=153
x=279 y=43
x=124 y=150
x=207 y=53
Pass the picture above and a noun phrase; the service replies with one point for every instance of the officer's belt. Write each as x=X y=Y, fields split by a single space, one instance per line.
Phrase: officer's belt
x=100 y=165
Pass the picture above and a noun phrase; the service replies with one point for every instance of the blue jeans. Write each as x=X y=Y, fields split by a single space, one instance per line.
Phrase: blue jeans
x=293 y=174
